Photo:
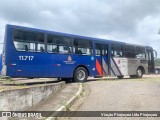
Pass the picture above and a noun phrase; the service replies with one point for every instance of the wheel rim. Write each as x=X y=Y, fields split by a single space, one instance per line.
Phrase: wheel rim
x=139 y=73
x=81 y=75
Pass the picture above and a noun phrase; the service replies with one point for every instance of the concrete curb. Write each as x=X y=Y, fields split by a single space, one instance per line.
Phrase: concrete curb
x=21 y=99
x=67 y=105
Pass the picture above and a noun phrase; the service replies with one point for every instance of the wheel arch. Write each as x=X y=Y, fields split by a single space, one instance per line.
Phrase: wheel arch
x=83 y=67
x=142 y=68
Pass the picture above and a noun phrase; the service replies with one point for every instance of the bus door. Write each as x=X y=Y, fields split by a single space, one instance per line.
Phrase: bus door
x=101 y=52
x=150 y=58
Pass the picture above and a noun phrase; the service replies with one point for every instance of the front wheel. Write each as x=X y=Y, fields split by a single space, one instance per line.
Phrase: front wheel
x=139 y=73
x=80 y=74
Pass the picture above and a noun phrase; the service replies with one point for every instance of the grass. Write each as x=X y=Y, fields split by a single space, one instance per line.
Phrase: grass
x=10 y=81
x=4 y=77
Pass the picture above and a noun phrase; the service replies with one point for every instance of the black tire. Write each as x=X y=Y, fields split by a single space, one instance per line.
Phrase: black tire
x=80 y=75
x=139 y=73
x=120 y=77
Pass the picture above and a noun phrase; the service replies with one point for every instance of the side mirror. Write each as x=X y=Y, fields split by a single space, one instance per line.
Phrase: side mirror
x=155 y=54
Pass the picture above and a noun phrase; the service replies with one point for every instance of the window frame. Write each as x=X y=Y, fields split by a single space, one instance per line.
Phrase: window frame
x=90 y=48
x=129 y=53
x=138 y=52
x=103 y=51
x=56 y=44
x=117 y=47
x=24 y=41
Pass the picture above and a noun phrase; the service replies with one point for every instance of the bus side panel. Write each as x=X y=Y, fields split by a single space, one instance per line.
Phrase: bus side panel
x=7 y=56
x=11 y=71
x=64 y=64
x=27 y=71
x=44 y=65
x=98 y=65
x=101 y=64
x=114 y=68
x=87 y=61
x=105 y=65
x=122 y=65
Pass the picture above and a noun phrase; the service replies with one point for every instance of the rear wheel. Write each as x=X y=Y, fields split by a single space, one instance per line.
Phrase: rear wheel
x=139 y=73
x=80 y=74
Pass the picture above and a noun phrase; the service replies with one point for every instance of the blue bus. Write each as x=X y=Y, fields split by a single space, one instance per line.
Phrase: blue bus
x=36 y=53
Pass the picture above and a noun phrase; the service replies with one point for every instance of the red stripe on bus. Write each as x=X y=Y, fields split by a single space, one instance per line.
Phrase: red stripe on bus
x=99 y=68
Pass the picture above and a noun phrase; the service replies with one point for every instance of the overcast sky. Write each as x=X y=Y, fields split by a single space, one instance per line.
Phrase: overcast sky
x=132 y=21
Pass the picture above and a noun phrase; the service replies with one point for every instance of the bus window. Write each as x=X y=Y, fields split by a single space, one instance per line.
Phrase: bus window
x=117 y=50
x=40 y=43
x=61 y=40
x=101 y=50
x=40 y=48
x=27 y=41
x=117 y=54
x=64 y=49
x=130 y=51
x=98 y=52
x=19 y=46
x=140 y=52
x=32 y=47
x=64 y=44
x=26 y=47
x=52 y=48
x=51 y=44
x=23 y=46
x=59 y=44
x=82 y=47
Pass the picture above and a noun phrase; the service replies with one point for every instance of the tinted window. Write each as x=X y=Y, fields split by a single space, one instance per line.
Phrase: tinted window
x=130 y=48
x=40 y=37
x=19 y=35
x=63 y=40
x=23 y=46
x=82 y=46
x=140 y=52
x=64 y=49
x=28 y=36
x=82 y=43
x=130 y=51
x=51 y=39
x=59 y=44
x=117 y=50
x=52 y=48
x=101 y=49
x=40 y=48
x=28 y=41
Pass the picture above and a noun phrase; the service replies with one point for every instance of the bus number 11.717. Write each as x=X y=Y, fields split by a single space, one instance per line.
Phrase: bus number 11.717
x=30 y=58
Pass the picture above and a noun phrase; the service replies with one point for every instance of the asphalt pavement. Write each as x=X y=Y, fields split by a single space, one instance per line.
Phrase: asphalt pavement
x=120 y=95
